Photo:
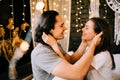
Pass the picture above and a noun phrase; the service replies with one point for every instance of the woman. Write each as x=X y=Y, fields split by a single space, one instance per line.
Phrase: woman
x=103 y=61
x=46 y=63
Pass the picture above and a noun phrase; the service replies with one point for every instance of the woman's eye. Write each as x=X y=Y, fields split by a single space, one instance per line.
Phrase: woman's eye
x=61 y=25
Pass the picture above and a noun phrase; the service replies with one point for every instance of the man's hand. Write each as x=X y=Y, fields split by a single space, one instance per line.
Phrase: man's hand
x=96 y=40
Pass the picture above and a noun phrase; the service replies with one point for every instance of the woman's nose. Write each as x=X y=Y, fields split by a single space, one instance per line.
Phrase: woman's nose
x=83 y=29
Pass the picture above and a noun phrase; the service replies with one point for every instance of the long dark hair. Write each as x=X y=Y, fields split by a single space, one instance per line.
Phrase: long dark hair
x=47 y=21
x=103 y=25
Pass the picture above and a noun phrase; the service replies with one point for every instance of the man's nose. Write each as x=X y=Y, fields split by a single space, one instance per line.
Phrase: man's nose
x=65 y=28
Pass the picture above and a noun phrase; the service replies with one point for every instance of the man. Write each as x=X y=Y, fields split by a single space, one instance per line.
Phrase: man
x=46 y=63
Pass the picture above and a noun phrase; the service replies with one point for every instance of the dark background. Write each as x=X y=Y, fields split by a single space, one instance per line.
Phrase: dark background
x=75 y=37
x=5 y=14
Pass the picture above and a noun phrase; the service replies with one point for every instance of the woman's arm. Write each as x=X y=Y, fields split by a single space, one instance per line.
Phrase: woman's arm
x=53 y=43
x=77 y=70
x=79 y=52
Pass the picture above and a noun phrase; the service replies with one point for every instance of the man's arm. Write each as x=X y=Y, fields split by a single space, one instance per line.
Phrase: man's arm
x=77 y=70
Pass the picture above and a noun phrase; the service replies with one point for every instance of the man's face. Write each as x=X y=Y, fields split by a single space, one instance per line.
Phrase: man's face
x=59 y=28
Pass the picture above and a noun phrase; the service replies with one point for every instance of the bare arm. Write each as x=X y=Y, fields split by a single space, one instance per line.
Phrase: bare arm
x=53 y=43
x=77 y=70
x=79 y=52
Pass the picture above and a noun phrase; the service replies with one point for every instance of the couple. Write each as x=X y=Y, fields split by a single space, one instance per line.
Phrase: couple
x=92 y=56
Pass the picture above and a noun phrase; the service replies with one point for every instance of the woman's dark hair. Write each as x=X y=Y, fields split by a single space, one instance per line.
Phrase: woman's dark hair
x=103 y=25
x=47 y=21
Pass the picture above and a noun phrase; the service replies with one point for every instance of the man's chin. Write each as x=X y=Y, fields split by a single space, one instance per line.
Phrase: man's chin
x=60 y=38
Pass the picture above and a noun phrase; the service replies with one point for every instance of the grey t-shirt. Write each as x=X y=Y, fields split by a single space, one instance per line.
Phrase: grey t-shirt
x=43 y=60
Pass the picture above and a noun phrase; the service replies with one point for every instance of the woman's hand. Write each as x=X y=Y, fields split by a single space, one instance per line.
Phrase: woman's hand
x=48 y=39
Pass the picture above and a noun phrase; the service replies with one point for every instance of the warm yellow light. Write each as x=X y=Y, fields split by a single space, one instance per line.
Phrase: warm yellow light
x=76 y=25
x=81 y=7
x=81 y=24
x=55 y=9
x=65 y=16
x=64 y=9
x=33 y=8
x=24 y=46
x=39 y=5
x=33 y=14
x=54 y=3
x=67 y=21
x=33 y=3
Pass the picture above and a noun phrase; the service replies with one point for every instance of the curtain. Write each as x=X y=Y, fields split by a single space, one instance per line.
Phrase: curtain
x=35 y=13
x=94 y=8
x=64 y=9
x=117 y=28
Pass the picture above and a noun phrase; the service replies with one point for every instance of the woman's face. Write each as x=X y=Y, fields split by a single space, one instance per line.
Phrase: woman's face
x=58 y=31
x=88 y=32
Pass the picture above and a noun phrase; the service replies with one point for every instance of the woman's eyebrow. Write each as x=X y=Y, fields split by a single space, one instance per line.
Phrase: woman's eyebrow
x=62 y=24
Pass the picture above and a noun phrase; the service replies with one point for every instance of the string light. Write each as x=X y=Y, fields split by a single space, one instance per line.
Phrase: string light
x=105 y=11
x=63 y=7
x=24 y=6
x=36 y=7
x=40 y=5
x=12 y=11
x=24 y=25
x=78 y=14
x=33 y=3
x=56 y=6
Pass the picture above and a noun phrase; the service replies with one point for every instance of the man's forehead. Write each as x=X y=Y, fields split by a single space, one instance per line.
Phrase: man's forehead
x=59 y=18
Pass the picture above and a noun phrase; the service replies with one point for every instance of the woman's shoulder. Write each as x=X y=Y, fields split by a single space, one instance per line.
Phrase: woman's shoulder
x=103 y=54
x=106 y=52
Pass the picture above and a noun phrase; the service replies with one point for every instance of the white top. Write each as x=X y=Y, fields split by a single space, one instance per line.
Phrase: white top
x=102 y=63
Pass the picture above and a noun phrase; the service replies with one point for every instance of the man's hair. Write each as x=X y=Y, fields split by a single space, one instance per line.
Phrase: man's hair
x=46 y=23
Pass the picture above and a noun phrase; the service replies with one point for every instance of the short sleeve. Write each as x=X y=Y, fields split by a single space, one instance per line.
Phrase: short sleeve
x=99 y=60
x=47 y=60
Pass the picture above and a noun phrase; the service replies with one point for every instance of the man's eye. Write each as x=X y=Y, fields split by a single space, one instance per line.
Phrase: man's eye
x=61 y=25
